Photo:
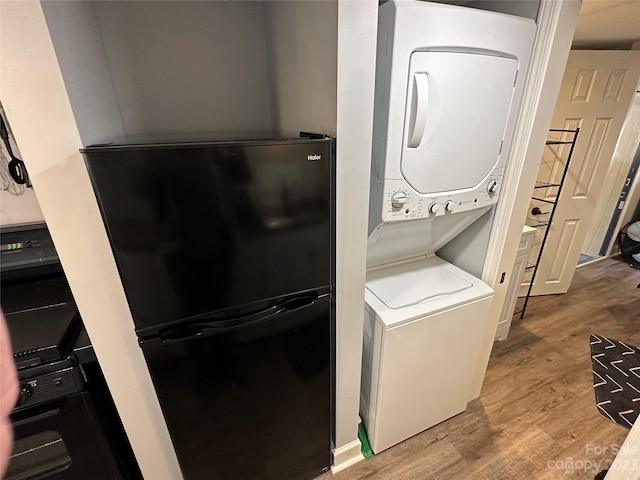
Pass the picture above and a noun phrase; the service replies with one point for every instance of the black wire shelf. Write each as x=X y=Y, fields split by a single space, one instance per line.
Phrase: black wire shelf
x=540 y=184
x=533 y=267
x=537 y=224
x=550 y=202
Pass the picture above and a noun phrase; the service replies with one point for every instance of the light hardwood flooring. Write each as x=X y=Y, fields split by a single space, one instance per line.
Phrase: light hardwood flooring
x=536 y=417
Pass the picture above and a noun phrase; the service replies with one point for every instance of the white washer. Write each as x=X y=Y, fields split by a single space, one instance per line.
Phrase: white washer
x=449 y=82
x=420 y=346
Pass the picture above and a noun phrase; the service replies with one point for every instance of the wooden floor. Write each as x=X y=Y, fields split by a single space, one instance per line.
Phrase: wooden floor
x=536 y=417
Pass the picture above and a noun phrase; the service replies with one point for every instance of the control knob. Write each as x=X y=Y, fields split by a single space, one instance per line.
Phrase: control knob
x=434 y=208
x=25 y=393
x=398 y=199
x=492 y=186
x=450 y=206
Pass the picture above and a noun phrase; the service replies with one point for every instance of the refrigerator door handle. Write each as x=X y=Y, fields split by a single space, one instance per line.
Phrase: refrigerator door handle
x=299 y=301
x=193 y=330
x=204 y=327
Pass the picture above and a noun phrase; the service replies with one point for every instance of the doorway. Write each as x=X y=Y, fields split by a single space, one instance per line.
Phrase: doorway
x=619 y=197
x=597 y=88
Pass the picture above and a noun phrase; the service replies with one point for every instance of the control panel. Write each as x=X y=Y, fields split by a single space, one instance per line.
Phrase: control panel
x=26 y=246
x=51 y=386
x=401 y=202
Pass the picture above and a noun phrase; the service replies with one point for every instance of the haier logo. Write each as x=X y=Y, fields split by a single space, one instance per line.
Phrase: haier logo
x=314 y=158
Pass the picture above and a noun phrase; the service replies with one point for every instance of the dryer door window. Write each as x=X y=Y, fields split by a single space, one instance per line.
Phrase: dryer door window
x=455 y=118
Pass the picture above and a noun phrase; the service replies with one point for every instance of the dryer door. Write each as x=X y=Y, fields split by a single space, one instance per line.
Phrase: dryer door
x=455 y=118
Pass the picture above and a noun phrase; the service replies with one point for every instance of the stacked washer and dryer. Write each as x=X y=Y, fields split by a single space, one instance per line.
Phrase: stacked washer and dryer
x=449 y=82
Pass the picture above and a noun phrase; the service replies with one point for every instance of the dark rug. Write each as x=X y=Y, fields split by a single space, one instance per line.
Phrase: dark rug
x=616 y=379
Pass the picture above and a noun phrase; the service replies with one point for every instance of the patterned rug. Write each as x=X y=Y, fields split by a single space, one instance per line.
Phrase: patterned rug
x=616 y=379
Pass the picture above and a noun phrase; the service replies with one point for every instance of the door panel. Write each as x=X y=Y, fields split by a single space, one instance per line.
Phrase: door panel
x=463 y=100
x=595 y=95
x=569 y=230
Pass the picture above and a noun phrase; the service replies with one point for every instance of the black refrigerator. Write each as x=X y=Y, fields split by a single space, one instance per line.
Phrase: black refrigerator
x=225 y=250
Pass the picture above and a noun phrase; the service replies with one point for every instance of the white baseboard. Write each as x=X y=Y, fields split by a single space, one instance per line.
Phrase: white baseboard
x=346 y=456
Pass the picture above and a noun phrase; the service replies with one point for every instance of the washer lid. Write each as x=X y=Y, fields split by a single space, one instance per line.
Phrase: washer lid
x=455 y=118
x=407 y=284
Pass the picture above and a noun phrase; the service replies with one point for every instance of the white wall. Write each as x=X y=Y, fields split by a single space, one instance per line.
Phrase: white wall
x=79 y=48
x=18 y=203
x=163 y=68
x=469 y=249
x=185 y=67
x=19 y=209
x=520 y=8
x=357 y=33
x=302 y=45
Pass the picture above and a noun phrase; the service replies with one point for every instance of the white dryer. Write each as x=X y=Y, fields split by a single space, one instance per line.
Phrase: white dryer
x=449 y=81
x=448 y=85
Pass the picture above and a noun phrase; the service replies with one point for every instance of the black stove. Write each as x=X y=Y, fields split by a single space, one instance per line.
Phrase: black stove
x=43 y=320
x=60 y=416
x=41 y=315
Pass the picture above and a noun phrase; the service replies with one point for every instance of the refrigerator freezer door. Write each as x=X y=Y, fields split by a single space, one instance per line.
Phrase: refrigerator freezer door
x=197 y=228
x=251 y=403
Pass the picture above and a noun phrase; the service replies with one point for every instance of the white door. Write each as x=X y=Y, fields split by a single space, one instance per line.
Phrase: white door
x=595 y=95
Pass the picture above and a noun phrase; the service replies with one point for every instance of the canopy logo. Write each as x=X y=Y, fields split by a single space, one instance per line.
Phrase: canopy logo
x=313 y=158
